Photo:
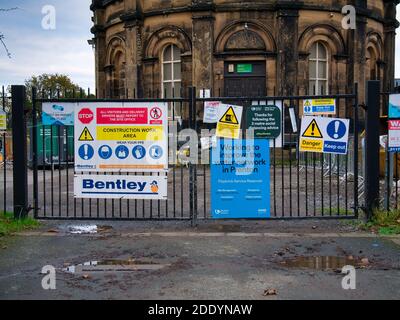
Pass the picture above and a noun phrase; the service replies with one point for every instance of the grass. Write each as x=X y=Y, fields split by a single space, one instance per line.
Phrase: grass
x=9 y=226
x=384 y=223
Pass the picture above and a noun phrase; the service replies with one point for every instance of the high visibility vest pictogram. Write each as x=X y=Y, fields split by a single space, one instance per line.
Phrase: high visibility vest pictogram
x=229 y=117
x=86 y=135
x=313 y=131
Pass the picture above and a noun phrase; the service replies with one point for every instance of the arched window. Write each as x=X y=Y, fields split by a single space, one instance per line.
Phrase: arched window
x=318 y=69
x=171 y=72
x=372 y=65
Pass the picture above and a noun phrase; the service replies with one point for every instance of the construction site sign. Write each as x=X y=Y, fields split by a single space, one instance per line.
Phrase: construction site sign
x=121 y=137
x=319 y=107
x=230 y=118
x=324 y=135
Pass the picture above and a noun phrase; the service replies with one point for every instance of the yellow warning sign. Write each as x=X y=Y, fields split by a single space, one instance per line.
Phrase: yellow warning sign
x=149 y=133
x=311 y=145
x=86 y=135
x=313 y=131
x=229 y=117
x=229 y=124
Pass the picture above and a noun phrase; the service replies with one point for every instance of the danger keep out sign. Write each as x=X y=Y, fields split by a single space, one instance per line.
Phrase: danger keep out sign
x=121 y=137
x=324 y=135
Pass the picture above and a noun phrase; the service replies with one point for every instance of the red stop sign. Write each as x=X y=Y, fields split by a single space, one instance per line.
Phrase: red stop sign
x=85 y=116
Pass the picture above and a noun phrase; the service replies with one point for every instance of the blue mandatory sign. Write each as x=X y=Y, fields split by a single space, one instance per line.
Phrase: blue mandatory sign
x=105 y=152
x=122 y=152
x=156 y=152
x=336 y=129
x=86 y=152
x=139 y=152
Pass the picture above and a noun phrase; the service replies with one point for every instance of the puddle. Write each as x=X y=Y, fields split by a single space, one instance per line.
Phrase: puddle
x=115 y=265
x=83 y=229
x=321 y=262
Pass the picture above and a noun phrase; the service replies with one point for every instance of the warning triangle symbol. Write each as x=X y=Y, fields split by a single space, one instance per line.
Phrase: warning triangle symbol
x=313 y=131
x=229 y=117
x=86 y=135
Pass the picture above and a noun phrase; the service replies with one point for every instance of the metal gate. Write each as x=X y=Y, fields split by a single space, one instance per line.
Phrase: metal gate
x=303 y=185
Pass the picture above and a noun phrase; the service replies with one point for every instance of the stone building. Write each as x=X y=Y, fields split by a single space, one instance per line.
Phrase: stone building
x=157 y=47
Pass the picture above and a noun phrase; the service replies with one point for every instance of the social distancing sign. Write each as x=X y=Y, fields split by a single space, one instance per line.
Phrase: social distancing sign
x=324 y=135
x=230 y=118
x=121 y=137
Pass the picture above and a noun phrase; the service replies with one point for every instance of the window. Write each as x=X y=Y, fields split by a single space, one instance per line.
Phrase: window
x=318 y=69
x=372 y=64
x=171 y=75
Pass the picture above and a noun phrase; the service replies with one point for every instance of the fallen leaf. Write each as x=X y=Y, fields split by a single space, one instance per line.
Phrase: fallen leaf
x=350 y=258
x=270 y=292
x=52 y=231
x=86 y=276
x=365 y=261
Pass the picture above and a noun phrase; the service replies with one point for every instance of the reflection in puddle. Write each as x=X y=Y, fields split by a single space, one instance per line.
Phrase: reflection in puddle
x=321 y=262
x=115 y=266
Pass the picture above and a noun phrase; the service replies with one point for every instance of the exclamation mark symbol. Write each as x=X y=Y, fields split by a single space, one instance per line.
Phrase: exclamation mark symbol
x=86 y=135
x=86 y=152
x=337 y=127
x=312 y=129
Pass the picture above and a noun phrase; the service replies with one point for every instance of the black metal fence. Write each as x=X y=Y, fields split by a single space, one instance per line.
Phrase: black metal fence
x=303 y=185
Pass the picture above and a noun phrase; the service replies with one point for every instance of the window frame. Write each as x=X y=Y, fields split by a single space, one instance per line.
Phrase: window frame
x=317 y=61
x=171 y=62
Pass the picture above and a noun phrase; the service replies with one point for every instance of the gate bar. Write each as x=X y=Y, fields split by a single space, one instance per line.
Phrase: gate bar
x=35 y=154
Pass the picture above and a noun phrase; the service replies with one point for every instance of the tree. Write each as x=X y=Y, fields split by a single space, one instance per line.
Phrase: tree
x=53 y=86
x=2 y=36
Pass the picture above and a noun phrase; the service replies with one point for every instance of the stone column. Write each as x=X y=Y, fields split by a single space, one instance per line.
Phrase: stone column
x=133 y=19
x=390 y=26
x=287 y=41
x=202 y=44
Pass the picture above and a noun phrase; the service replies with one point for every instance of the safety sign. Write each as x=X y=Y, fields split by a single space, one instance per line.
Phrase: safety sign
x=3 y=120
x=394 y=106
x=265 y=121
x=319 y=107
x=121 y=137
x=240 y=179
x=394 y=135
x=121 y=187
x=58 y=114
x=324 y=135
x=86 y=135
x=230 y=118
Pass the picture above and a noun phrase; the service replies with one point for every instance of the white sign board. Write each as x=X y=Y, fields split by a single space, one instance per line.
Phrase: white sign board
x=121 y=187
x=211 y=111
x=121 y=137
x=394 y=135
x=58 y=114
x=324 y=135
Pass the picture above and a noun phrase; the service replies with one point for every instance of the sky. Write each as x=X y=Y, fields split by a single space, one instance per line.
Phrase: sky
x=65 y=49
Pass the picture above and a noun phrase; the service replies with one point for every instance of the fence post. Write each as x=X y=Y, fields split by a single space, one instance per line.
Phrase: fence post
x=20 y=171
x=372 y=147
x=192 y=125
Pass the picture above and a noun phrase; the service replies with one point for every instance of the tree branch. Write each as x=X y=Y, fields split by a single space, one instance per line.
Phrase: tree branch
x=2 y=37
